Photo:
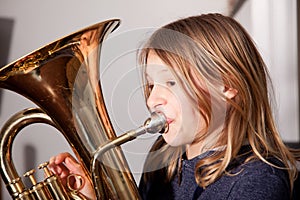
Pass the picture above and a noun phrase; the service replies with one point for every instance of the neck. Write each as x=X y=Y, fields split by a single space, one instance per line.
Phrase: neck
x=209 y=143
x=193 y=150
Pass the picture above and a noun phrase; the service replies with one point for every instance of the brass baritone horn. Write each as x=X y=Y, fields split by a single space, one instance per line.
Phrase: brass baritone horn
x=62 y=79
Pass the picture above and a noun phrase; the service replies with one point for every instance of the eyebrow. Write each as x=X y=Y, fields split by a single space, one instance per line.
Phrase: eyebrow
x=162 y=71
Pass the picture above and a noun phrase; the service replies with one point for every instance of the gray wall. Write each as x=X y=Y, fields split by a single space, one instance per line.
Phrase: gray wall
x=37 y=23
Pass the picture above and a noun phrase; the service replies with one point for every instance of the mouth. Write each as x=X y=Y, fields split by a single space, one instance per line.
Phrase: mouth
x=169 y=121
x=166 y=129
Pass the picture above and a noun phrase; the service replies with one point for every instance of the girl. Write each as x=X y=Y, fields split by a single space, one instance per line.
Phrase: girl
x=206 y=75
x=222 y=141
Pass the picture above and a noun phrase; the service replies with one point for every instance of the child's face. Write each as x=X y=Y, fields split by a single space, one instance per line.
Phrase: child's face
x=168 y=96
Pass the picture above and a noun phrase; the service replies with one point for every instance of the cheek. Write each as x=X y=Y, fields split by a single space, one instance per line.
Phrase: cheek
x=184 y=109
x=191 y=117
x=175 y=105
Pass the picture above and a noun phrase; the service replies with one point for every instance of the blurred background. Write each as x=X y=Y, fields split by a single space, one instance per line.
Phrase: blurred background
x=28 y=25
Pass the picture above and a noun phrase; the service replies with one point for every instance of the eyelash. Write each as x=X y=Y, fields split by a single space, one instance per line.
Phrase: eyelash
x=168 y=83
x=150 y=86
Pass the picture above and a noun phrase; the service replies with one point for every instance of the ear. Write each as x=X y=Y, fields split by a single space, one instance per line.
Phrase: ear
x=230 y=93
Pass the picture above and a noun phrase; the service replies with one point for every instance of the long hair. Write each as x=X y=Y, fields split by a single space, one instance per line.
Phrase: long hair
x=217 y=50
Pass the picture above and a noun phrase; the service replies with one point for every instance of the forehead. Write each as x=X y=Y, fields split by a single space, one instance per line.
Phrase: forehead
x=155 y=66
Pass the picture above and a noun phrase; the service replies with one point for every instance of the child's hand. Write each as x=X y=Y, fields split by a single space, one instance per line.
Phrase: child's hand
x=63 y=165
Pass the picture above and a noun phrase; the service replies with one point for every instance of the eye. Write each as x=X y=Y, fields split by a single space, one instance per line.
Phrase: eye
x=171 y=83
x=150 y=86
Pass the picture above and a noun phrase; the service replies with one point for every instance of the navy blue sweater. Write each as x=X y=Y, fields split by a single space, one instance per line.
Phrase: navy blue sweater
x=256 y=180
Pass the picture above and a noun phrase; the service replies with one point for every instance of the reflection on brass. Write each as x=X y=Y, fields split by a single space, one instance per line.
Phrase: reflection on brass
x=53 y=184
x=62 y=79
x=37 y=191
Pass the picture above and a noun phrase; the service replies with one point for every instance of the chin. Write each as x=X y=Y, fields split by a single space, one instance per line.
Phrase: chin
x=172 y=141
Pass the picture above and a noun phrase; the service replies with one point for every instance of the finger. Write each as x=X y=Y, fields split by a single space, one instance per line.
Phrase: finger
x=60 y=158
x=58 y=168
x=73 y=165
x=55 y=169
x=52 y=160
x=64 y=174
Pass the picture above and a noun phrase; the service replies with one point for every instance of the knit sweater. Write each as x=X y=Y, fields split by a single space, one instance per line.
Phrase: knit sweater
x=253 y=180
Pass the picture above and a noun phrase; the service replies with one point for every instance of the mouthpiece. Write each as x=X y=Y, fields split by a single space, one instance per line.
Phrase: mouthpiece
x=157 y=123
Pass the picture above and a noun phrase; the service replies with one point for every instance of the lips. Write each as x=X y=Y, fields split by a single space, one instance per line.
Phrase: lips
x=169 y=121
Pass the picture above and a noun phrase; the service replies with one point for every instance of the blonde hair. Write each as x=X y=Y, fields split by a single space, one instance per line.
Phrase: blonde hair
x=220 y=52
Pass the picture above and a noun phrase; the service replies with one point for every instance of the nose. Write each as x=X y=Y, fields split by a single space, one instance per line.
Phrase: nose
x=157 y=97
